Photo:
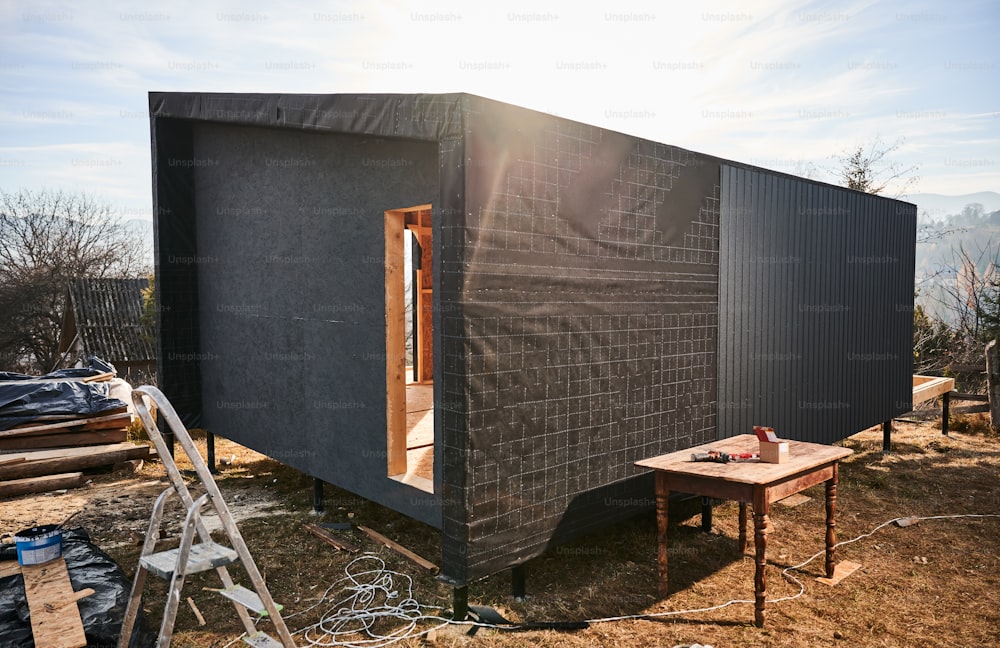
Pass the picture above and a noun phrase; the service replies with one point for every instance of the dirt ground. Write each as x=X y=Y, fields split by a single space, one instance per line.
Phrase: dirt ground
x=933 y=583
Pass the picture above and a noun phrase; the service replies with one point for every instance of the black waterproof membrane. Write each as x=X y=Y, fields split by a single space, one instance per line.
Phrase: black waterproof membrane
x=576 y=302
x=102 y=612
x=24 y=398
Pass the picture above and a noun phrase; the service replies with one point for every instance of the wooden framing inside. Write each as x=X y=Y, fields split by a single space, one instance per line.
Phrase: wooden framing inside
x=418 y=220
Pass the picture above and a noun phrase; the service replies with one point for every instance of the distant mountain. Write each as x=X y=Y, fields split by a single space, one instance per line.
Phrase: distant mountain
x=936 y=207
x=947 y=224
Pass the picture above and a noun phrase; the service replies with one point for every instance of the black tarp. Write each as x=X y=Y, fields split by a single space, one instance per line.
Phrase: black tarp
x=24 y=398
x=102 y=612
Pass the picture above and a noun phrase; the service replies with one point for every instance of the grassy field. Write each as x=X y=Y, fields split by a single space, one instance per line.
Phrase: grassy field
x=933 y=583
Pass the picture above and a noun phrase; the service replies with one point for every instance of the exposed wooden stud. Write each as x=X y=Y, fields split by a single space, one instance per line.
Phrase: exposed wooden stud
x=395 y=344
x=425 y=306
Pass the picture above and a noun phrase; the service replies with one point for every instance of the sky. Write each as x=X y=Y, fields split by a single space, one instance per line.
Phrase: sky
x=783 y=85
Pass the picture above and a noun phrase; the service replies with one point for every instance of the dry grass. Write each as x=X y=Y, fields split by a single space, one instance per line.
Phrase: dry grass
x=931 y=584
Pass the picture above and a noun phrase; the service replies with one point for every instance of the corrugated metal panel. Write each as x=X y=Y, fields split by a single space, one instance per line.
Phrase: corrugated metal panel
x=816 y=307
x=108 y=316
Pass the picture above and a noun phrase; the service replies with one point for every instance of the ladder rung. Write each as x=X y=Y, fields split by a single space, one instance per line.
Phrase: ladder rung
x=247 y=598
x=261 y=640
x=203 y=557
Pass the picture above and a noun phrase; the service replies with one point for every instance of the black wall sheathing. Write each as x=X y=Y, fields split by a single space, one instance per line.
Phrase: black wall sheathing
x=291 y=286
x=175 y=253
x=587 y=333
x=816 y=307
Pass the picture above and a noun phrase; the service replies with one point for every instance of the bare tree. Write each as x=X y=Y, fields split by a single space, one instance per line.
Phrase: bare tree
x=933 y=341
x=868 y=168
x=965 y=288
x=46 y=239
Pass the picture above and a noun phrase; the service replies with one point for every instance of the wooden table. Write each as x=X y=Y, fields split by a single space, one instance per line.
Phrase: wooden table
x=748 y=482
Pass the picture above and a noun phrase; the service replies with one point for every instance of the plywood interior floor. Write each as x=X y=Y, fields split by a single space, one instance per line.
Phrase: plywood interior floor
x=420 y=431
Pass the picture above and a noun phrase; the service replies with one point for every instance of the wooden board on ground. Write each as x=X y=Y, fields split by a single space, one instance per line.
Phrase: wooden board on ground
x=400 y=549
x=843 y=569
x=55 y=617
x=16 y=487
x=82 y=461
x=331 y=539
x=794 y=500
x=60 y=439
x=9 y=568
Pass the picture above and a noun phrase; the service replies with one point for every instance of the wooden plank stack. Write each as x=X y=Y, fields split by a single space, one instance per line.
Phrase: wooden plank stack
x=67 y=430
x=49 y=453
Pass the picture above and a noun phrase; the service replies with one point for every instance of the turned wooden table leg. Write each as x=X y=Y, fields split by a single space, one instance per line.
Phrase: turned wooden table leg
x=662 y=495
x=743 y=528
x=831 y=525
x=760 y=524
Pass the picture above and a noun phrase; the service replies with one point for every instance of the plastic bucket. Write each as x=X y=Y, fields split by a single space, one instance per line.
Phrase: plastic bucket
x=38 y=544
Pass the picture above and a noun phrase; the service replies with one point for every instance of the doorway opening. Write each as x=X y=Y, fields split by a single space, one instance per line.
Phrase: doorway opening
x=409 y=358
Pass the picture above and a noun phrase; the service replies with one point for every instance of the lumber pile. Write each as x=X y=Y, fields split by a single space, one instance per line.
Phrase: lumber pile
x=41 y=470
x=54 y=427
x=67 y=430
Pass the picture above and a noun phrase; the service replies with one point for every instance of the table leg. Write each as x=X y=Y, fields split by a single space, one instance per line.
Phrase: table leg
x=760 y=529
x=743 y=528
x=831 y=525
x=662 y=496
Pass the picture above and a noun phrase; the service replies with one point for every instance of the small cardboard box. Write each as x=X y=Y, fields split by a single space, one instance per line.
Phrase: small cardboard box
x=774 y=451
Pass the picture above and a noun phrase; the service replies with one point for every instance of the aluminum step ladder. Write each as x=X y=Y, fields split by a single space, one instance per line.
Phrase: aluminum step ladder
x=192 y=557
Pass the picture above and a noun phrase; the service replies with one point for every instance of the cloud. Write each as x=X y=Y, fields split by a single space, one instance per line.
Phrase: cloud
x=772 y=79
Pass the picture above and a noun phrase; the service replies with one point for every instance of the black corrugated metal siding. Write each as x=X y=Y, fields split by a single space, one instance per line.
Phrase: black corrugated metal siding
x=815 y=307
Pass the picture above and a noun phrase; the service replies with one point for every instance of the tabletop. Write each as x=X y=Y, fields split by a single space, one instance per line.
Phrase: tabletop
x=802 y=456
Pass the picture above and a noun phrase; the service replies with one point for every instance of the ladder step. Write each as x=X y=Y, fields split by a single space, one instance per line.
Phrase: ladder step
x=247 y=598
x=261 y=640
x=203 y=557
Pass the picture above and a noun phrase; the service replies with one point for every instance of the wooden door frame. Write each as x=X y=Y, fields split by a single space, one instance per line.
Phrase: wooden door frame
x=395 y=336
